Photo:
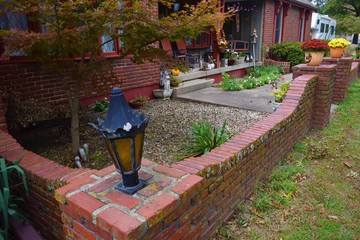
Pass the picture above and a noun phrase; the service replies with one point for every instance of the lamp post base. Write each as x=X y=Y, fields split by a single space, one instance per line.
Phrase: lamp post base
x=131 y=190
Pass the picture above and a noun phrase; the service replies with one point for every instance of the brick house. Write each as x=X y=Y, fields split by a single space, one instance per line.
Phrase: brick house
x=275 y=21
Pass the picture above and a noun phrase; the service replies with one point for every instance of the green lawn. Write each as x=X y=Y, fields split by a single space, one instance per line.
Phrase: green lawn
x=314 y=193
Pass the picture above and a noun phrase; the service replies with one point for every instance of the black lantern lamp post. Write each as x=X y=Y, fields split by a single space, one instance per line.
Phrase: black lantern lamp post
x=123 y=132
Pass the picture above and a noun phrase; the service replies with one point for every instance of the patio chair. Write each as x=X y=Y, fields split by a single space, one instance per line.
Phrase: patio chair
x=171 y=50
x=166 y=46
x=181 y=51
x=239 y=46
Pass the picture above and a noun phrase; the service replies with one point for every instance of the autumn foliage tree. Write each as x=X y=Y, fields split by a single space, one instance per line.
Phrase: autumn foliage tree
x=68 y=33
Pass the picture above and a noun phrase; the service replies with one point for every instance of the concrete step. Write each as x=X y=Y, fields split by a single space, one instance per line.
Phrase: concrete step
x=192 y=85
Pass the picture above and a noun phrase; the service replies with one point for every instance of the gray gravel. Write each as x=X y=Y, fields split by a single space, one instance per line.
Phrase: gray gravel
x=171 y=122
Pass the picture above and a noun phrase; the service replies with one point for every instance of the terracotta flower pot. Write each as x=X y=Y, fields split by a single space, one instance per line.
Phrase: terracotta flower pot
x=136 y=104
x=314 y=58
x=337 y=52
x=174 y=84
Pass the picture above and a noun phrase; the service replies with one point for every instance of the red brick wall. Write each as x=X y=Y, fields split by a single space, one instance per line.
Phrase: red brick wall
x=290 y=24
x=343 y=79
x=324 y=91
x=354 y=71
x=190 y=199
x=357 y=60
x=285 y=65
x=187 y=200
x=33 y=81
x=268 y=22
x=3 y=126
x=308 y=27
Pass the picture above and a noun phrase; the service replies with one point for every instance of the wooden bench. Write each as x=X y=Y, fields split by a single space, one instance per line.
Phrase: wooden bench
x=239 y=46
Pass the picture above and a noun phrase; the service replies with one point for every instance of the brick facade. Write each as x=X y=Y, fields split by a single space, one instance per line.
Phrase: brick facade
x=291 y=23
x=35 y=82
x=268 y=22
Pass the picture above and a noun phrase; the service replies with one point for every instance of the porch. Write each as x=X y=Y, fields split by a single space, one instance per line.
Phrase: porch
x=237 y=33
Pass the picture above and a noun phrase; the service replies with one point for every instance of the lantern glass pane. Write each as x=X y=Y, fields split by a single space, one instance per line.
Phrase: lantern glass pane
x=113 y=157
x=123 y=147
x=138 y=149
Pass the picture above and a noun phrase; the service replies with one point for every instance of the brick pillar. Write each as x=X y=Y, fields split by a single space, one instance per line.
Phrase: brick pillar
x=3 y=126
x=343 y=68
x=324 y=91
x=357 y=60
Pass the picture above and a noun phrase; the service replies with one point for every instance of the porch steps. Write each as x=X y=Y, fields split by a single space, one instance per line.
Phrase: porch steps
x=192 y=85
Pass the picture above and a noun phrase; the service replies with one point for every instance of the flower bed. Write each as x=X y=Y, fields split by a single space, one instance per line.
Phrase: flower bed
x=255 y=78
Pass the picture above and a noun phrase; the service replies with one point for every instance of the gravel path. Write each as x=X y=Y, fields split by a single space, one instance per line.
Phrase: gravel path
x=171 y=122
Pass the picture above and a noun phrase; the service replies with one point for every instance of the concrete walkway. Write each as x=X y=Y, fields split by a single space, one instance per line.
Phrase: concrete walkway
x=257 y=99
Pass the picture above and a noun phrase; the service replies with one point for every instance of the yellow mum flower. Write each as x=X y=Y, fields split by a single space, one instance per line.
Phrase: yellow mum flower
x=338 y=43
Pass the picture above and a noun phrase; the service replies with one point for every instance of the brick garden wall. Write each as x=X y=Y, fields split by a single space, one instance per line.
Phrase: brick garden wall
x=285 y=65
x=186 y=200
x=354 y=71
x=343 y=69
x=191 y=198
x=3 y=125
x=324 y=97
x=357 y=61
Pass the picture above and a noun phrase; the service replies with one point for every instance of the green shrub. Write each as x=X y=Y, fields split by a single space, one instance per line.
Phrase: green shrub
x=100 y=106
x=288 y=52
x=230 y=84
x=204 y=138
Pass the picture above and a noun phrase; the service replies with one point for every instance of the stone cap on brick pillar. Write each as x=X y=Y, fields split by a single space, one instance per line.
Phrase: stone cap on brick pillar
x=336 y=60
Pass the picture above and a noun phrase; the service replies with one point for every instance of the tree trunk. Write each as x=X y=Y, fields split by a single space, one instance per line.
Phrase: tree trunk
x=75 y=139
x=355 y=39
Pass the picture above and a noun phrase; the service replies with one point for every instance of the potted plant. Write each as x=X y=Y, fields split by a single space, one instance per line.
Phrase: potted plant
x=279 y=94
x=138 y=102
x=241 y=57
x=174 y=81
x=232 y=58
x=314 y=51
x=337 y=47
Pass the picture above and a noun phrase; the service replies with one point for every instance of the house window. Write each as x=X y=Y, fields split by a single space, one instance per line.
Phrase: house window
x=108 y=44
x=279 y=24
x=12 y=21
x=203 y=40
x=326 y=28
x=332 y=30
x=302 y=28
